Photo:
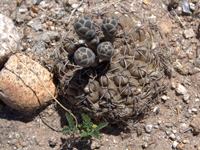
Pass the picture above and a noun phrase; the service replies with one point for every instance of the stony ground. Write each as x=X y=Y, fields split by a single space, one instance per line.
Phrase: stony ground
x=171 y=123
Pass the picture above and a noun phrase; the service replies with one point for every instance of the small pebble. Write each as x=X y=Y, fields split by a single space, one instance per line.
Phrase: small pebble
x=181 y=89
x=139 y=131
x=165 y=98
x=186 y=8
x=173 y=85
x=95 y=145
x=188 y=33
x=43 y=4
x=194 y=1
x=148 y=128
x=174 y=144
x=192 y=6
x=178 y=138
x=156 y=110
x=195 y=123
x=159 y=122
x=156 y=126
x=75 y=6
x=179 y=68
x=172 y=136
x=23 y=10
x=194 y=110
x=186 y=98
x=145 y=145
x=174 y=3
x=168 y=132
x=174 y=131
x=186 y=141
x=35 y=9
x=37 y=26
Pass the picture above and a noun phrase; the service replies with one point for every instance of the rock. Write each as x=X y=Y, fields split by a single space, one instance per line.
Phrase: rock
x=165 y=26
x=179 y=139
x=48 y=36
x=188 y=33
x=174 y=3
x=174 y=144
x=23 y=10
x=192 y=6
x=139 y=131
x=194 y=1
x=186 y=98
x=181 y=90
x=195 y=123
x=148 y=128
x=144 y=145
x=44 y=5
x=156 y=110
x=194 y=110
x=8 y=35
x=168 y=132
x=35 y=24
x=52 y=141
x=186 y=8
x=75 y=6
x=179 y=68
x=173 y=84
x=20 y=88
x=35 y=9
x=165 y=98
x=172 y=136
x=180 y=146
x=186 y=141
x=95 y=144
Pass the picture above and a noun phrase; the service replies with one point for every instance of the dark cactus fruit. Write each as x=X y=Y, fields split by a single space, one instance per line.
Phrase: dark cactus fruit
x=84 y=28
x=109 y=27
x=105 y=50
x=84 y=57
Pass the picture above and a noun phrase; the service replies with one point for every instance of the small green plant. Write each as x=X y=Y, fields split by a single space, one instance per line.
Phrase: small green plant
x=87 y=129
x=192 y=15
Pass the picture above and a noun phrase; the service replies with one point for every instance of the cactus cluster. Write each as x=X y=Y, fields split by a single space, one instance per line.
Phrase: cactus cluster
x=114 y=72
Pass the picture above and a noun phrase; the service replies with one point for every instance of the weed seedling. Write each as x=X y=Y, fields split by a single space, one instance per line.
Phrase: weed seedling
x=87 y=129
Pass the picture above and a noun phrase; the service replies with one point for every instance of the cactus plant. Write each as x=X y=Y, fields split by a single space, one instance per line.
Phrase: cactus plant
x=127 y=67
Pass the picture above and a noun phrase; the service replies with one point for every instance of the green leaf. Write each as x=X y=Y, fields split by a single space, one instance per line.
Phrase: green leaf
x=102 y=125
x=86 y=118
x=75 y=129
x=87 y=122
x=66 y=129
x=70 y=120
x=86 y=137
x=79 y=126
x=84 y=134
x=95 y=134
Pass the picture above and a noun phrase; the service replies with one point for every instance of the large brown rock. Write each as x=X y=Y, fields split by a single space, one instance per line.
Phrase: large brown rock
x=8 y=35
x=20 y=88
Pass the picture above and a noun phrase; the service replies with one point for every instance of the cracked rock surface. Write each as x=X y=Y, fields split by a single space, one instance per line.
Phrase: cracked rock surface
x=20 y=88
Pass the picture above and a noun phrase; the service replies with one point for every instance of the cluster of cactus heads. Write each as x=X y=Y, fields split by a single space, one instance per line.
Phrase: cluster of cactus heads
x=111 y=75
x=85 y=29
